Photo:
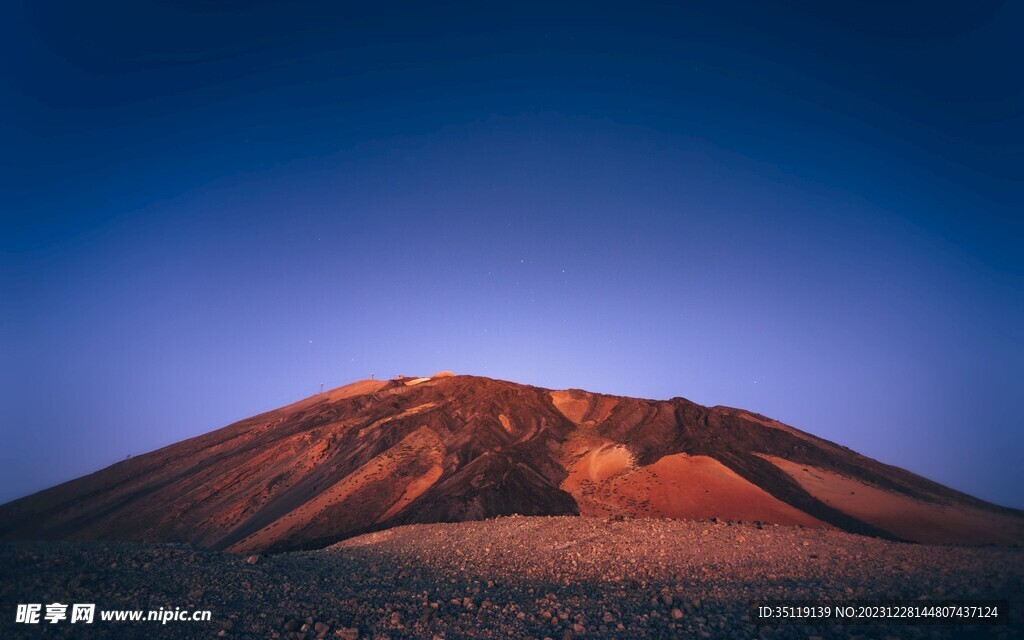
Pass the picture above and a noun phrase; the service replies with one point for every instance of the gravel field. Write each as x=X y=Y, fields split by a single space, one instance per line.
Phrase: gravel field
x=515 y=577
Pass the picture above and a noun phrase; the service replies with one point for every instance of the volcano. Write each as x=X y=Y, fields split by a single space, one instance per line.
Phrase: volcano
x=375 y=454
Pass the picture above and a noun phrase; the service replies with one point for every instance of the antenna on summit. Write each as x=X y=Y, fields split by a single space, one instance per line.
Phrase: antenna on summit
x=371 y=376
x=321 y=387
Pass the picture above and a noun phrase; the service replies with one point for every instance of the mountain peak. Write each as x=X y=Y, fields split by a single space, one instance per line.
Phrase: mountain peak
x=377 y=453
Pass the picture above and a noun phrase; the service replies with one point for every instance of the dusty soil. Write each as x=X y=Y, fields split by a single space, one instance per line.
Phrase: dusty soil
x=515 y=577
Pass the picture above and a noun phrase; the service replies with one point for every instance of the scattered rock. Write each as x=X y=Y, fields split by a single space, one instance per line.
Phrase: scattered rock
x=582 y=578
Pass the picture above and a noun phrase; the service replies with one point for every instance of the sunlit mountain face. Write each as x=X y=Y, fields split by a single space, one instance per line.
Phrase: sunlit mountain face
x=446 y=448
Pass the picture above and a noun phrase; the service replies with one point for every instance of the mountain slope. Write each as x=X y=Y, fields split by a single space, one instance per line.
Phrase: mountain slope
x=375 y=454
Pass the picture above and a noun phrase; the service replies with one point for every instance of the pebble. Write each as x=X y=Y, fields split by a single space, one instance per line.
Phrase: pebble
x=558 y=577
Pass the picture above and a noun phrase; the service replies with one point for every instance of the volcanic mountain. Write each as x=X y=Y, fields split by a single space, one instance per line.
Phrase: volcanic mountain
x=375 y=454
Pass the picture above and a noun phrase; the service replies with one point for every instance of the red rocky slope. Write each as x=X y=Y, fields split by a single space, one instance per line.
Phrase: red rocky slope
x=375 y=454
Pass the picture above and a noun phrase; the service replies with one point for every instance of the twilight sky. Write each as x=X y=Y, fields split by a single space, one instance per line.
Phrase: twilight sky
x=813 y=212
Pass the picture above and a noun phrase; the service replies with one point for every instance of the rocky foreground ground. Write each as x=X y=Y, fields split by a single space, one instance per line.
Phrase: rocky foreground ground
x=513 y=577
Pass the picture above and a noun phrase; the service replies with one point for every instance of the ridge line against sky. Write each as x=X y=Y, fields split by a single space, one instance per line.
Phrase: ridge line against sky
x=811 y=212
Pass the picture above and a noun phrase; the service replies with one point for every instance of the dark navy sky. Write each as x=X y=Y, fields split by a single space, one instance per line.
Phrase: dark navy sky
x=810 y=211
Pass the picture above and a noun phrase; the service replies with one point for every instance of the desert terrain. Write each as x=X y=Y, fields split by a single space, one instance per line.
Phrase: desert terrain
x=376 y=454
x=464 y=507
x=513 y=577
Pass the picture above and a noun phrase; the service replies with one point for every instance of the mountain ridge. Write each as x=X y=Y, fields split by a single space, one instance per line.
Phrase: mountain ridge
x=375 y=454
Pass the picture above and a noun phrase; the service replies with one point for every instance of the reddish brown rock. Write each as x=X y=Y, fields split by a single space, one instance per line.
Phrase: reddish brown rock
x=375 y=454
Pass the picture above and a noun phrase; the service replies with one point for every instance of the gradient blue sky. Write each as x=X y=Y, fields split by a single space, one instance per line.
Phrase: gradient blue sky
x=810 y=211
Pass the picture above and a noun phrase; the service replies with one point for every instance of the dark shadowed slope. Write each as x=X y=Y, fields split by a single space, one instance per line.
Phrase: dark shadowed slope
x=375 y=454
